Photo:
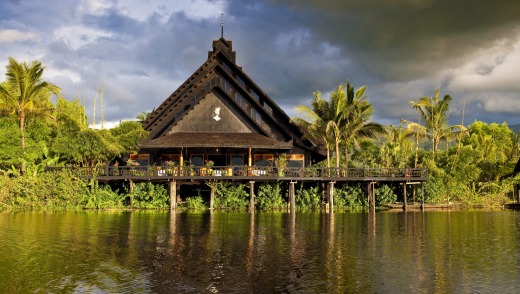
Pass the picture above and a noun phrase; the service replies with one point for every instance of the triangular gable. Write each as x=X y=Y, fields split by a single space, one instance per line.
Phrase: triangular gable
x=219 y=82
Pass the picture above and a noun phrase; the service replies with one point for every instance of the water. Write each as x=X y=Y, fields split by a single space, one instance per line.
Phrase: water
x=159 y=252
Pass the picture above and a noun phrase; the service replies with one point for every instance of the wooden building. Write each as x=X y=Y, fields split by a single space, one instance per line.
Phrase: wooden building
x=221 y=117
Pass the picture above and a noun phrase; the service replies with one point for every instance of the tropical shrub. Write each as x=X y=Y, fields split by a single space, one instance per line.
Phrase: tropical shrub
x=195 y=203
x=231 y=196
x=308 y=199
x=350 y=197
x=385 y=195
x=269 y=197
x=149 y=195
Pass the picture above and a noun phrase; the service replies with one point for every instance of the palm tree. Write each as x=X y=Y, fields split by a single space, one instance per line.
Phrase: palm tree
x=434 y=112
x=313 y=124
x=356 y=116
x=397 y=147
x=24 y=93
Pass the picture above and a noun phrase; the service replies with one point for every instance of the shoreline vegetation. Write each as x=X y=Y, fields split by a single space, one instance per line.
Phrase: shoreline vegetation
x=469 y=165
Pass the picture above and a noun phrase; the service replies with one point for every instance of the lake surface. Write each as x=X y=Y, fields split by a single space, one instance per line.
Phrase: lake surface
x=159 y=252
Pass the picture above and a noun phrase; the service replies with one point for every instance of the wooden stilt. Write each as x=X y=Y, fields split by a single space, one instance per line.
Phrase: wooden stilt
x=292 y=200
x=404 y=196
x=422 y=195
x=131 y=190
x=331 y=196
x=211 y=199
x=251 y=196
x=373 y=196
x=173 y=195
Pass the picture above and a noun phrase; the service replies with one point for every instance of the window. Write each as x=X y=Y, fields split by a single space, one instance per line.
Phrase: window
x=142 y=159
x=295 y=160
x=197 y=160
x=263 y=160
x=168 y=159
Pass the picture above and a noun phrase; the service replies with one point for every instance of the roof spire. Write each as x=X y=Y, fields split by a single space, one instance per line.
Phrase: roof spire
x=222 y=28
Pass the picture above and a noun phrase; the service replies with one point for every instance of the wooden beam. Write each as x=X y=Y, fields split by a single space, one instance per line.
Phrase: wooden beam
x=251 y=196
x=131 y=190
x=173 y=194
x=331 y=196
x=292 y=200
x=404 y=196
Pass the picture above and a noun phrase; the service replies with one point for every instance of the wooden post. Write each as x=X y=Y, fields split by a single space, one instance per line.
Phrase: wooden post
x=422 y=195
x=251 y=196
x=131 y=190
x=331 y=196
x=404 y=196
x=173 y=194
x=371 y=197
x=292 y=200
x=211 y=199
x=369 y=192
x=249 y=158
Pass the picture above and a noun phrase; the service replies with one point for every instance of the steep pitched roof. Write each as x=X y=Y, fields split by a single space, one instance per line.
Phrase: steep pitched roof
x=220 y=79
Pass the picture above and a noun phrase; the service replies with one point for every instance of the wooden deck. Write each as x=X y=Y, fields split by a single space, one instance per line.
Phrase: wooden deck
x=245 y=173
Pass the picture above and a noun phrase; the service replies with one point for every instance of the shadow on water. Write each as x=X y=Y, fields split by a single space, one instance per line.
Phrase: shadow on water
x=163 y=252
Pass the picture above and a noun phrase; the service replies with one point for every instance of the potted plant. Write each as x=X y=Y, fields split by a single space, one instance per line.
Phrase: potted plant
x=209 y=167
x=281 y=164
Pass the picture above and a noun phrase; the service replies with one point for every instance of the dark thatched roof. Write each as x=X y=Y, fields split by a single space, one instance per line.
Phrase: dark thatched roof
x=236 y=140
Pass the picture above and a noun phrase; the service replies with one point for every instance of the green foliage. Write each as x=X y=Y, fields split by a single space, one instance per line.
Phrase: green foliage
x=128 y=134
x=148 y=195
x=195 y=203
x=55 y=190
x=350 y=197
x=385 y=195
x=231 y=196
x=308 y=199
x=270 y=197
x=102 y=197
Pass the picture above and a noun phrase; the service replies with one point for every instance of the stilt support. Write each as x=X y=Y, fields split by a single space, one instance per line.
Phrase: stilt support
x=251 y=196
x=330 y=195
x=173 y=195
x=131 y=190
x=404 y=196
x=292 y=200
x=211 y=199
x=371 y=197
x=422 y=195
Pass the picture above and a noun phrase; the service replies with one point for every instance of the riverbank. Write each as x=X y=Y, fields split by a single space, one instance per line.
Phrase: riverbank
x=64 y=191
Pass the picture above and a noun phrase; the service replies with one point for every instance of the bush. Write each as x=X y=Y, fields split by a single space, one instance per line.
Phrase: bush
x=308 y=199
x=270 y=197
x=350 y=198
x=149 y=195
x=194 y=204
x=230 y=196
x=385 y=195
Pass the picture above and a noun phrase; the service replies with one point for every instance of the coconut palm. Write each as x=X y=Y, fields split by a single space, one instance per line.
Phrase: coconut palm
x=434 y=113
x=355 y=123
x=24 y=93
x=313 y=124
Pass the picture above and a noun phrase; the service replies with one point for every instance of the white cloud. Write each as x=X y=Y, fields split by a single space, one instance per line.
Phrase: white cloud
x=13 y=36
x=78 y=36
x=494 y=69
x=194 y=9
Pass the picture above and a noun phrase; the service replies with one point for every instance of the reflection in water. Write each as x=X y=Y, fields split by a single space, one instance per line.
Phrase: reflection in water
x=163 y=252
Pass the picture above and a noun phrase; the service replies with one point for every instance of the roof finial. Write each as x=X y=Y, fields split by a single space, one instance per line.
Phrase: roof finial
x=222 y=29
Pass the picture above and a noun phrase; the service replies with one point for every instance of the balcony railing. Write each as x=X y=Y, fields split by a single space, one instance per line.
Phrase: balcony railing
x=216 y=172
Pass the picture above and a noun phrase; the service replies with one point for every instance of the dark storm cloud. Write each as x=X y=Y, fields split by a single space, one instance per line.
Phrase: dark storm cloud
x=400 y=49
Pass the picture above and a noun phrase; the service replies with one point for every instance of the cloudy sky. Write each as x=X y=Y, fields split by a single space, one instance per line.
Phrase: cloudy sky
x=142 y=50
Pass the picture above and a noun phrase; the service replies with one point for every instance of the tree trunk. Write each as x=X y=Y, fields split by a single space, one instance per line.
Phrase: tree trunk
x=22 y=141
x=337 y=157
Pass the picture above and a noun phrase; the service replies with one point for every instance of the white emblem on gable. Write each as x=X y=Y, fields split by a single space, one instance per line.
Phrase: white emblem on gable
x=216 y=111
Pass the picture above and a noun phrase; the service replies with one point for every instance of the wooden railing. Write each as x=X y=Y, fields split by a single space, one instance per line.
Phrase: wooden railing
x=215 y=172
